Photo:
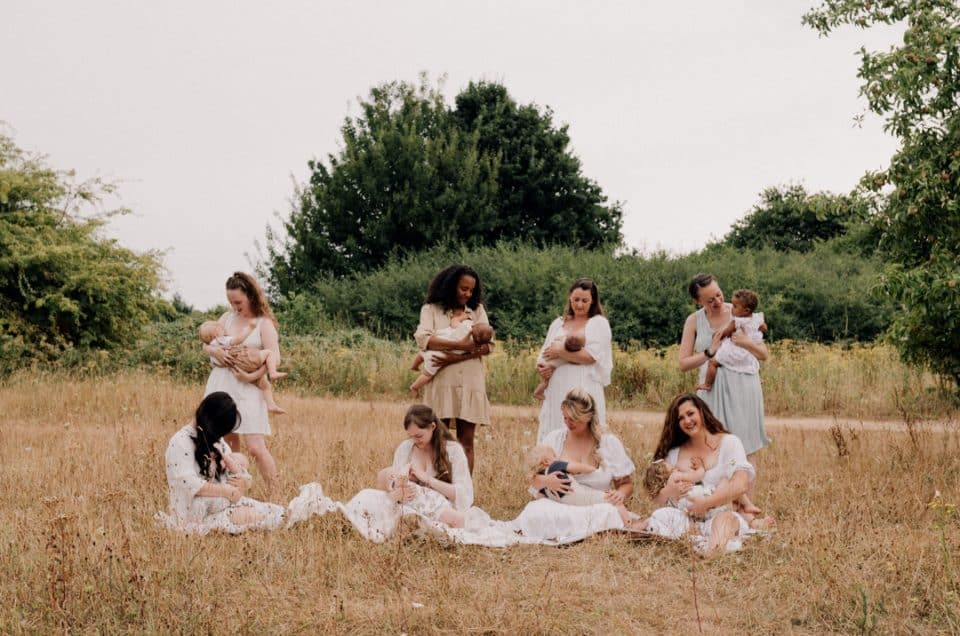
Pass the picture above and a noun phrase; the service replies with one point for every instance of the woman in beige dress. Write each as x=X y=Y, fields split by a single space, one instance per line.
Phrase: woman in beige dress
x=458 y=391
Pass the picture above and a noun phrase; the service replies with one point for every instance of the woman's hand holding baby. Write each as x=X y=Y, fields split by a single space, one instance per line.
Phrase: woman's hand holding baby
x=614 y=497
x=221 y=354
x=555 y=482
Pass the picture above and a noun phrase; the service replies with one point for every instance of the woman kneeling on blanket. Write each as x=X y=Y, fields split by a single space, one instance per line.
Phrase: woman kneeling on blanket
x=692 y=437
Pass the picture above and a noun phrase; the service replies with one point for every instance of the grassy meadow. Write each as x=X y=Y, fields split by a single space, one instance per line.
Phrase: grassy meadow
x=865 y=543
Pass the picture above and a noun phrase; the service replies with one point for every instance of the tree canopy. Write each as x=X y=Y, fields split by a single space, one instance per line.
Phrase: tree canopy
x=414 y=173
x=790 y=219
x=916 y=87
x=62 y=284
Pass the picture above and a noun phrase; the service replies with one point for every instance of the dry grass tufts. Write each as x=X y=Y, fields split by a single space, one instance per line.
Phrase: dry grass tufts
x=868 y=538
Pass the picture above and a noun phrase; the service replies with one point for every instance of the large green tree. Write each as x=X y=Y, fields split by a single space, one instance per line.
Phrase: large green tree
x=790 y=219
x=542 y=196
x=62 y=283
x=915 y=86
x=414 y=173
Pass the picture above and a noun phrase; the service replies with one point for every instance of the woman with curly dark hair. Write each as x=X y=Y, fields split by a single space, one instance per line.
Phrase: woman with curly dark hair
x=458 y=391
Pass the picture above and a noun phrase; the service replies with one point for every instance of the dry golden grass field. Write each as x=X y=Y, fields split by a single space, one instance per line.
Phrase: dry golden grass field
x=868 y=534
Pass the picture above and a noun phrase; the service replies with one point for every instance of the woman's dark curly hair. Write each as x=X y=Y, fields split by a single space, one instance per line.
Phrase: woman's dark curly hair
x=216 y=416
x=443 y=288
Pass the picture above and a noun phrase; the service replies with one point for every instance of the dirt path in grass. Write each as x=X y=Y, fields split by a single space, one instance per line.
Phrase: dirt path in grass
x=655 y=418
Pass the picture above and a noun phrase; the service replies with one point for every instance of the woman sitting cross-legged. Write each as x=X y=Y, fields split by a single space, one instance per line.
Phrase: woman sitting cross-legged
x=429 y=479
x=597 y=479
x=691 y=437
x=207 y=481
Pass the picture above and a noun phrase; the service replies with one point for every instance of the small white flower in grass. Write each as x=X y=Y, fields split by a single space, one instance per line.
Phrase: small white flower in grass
x=416 y=605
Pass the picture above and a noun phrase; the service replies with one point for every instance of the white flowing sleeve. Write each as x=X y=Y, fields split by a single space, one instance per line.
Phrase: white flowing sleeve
x=599 y=347
x=733 y=458
x=614 y=457
x=183 y=473
x=401 y=456
x=461 y=480
x=555 y=328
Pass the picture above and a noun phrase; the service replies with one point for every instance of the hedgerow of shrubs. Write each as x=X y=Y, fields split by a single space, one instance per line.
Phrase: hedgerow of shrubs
x=823 y=295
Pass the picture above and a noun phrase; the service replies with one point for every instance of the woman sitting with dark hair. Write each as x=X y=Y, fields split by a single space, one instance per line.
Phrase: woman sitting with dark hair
x=458 y=391
x=204 y=497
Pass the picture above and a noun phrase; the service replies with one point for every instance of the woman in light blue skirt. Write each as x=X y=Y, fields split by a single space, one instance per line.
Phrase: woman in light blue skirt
x=736 y=398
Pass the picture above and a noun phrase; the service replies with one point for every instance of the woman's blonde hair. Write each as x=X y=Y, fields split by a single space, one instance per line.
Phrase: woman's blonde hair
x=580 y=406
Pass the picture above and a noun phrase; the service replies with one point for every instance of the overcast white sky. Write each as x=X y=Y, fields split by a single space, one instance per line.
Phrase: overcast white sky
x=206 y=112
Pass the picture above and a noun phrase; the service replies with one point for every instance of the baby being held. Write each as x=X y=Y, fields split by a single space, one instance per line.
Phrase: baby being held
x=248 y=360
x=432 y=361
x=571 y=343
x=660 y=473
x=747 y=319
x=543 y=460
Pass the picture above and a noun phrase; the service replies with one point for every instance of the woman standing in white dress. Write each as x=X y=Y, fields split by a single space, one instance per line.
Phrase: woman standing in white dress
x=250 y=308
x=589 y=368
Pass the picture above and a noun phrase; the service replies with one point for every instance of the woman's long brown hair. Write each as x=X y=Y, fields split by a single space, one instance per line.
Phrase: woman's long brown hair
x=422 y=416
x=672 y=435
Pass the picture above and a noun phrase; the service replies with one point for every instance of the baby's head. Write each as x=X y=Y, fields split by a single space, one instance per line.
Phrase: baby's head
x=210 y=331
x=573 y=343
x=744 y=302
x=539 y=457
x=482 y=333
x=656 y=476
x=236 y=463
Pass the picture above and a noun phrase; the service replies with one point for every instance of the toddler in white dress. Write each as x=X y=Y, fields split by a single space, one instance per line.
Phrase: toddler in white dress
x=661 y=472
x=746 y=318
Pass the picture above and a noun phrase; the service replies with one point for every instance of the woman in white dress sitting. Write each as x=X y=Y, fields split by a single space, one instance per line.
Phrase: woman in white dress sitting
x=203 y=497
x=690 y=430
x=429 y=479
x=581 y=440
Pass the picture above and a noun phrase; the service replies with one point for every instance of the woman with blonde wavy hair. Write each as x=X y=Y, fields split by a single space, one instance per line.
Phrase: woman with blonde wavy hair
x=583 y=439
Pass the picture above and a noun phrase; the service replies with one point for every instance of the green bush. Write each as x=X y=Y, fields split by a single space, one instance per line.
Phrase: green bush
x=821 y=295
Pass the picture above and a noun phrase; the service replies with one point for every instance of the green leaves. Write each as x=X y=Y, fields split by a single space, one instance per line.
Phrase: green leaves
x=413 y=174
x=916 y=87
x=61 y=283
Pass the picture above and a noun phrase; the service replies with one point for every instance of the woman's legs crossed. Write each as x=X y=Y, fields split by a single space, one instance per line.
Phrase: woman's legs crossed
x=724 y=527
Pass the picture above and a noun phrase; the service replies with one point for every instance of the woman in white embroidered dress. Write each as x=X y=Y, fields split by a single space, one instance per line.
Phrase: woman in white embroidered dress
x=202 y=497
x=429 y=479
x=691 y=430
x=588 y=369
x=250 y=307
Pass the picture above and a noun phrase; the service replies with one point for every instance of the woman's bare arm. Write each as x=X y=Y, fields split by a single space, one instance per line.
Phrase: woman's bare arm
x=758 y=349
x=270 y=338
x=687 y=358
